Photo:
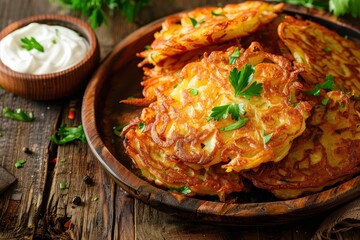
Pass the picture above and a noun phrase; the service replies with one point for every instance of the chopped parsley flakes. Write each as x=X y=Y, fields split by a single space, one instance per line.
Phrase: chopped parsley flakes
x=31 y=43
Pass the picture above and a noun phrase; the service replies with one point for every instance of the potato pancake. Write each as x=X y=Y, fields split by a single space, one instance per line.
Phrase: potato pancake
x=207 y=26
x=178 y=133
x=322 y=52
x=327 y=152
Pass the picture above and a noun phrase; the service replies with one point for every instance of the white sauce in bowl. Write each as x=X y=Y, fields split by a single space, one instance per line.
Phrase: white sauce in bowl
x=63 y=48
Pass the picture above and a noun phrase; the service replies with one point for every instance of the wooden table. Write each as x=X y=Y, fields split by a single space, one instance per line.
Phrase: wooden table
x=36 y=207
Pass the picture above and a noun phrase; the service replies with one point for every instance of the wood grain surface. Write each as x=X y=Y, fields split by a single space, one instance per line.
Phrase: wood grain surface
x=36 y=208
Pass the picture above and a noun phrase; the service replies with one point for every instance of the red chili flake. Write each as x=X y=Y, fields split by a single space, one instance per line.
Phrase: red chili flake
x=72 y=110
x=67 y=224
x=71 y=114
x=54 y=161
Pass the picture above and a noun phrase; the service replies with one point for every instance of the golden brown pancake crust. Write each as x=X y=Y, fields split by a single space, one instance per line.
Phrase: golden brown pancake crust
x=207 y=26
x=322 y=52
x=180 y=137
x=327 y=152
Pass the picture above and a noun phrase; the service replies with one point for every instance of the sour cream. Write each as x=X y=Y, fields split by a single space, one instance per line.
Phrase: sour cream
x=63 y=48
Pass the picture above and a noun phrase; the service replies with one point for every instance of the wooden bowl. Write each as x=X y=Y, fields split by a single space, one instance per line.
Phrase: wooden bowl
x=118 y=78
x=53 y=85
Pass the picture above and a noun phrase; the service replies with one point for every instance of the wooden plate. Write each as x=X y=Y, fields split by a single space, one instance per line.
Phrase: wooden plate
x=118 y=78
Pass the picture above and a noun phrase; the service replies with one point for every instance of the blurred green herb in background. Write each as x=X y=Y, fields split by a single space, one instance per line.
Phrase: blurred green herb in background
x=336 y=7
x=322 y=4
x=95 y=10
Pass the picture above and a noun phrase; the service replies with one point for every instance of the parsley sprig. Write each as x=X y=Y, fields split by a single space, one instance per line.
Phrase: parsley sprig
x=142 y=126
x=18 y=114
x=195 y=23
x=337 y=7
x=183 y=190
x=327 y=85
x=31 y=43
x=95 y=10
x=118 y=128
x=218 y=14
x=235 y=110
x=223 y=111
x=236 y=125
x=266 y=138
x=240 y=80
x=68 y=134
x=342 y=7
x=235 y=55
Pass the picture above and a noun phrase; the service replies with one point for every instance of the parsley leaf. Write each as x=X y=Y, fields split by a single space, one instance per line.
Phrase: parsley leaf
x=195 y=23
x=97 y=17
x=354 y=8
x=62 y=186
x=141 y=126
x=183 y=190
x=68 y=134
x=321 y=4
x=327 y=85
x=326 y=49
x=241 y=80
x=239 y=124
x=20 y=163
x=117 y=129
x=31 y=43
x=337 y=7
x=18 y=115
x=220 y=112
x=194 y=91
x=235 y=110
x=94 y=10
x=325 y=101
x=266 y=138
x=217 y=14
x=234 y=56
x=253 y=90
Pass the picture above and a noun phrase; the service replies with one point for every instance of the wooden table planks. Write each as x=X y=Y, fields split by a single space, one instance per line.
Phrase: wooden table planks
x=36 y=207
x=20 y=206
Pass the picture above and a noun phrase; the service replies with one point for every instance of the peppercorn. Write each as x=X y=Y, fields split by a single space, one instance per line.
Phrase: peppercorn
x=27 y=150
x=76 y=200
x=87 y=180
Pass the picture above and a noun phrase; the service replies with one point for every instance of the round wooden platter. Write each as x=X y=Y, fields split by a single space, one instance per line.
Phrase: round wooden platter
x=118 y=77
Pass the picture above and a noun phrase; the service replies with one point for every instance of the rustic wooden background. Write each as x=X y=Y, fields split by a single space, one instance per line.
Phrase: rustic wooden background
x=36 y=207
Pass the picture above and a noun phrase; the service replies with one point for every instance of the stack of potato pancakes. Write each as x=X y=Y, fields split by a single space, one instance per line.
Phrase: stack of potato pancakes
x=247 y=94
